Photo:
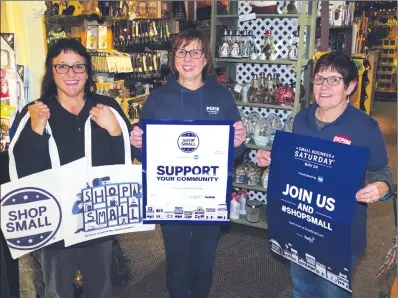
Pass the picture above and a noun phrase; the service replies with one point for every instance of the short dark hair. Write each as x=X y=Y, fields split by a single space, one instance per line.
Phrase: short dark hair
x=185 y=38
x=340 y=63
x=48 y=87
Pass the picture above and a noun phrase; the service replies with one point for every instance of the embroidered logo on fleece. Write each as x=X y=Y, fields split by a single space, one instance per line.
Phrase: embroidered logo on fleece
x=342 y=140
x=212 y=110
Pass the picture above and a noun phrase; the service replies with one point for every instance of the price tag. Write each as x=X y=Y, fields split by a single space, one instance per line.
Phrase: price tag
x=110 y=61
x=238 y=88
x=128 y=65
x=120 y=64
x=247 y=17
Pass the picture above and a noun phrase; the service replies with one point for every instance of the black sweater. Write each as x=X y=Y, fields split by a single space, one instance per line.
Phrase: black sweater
x=31 y=149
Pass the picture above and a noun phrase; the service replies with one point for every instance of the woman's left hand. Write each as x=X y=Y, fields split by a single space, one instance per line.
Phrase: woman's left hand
x=239 y=133
x=104 y=117
x=372 y=192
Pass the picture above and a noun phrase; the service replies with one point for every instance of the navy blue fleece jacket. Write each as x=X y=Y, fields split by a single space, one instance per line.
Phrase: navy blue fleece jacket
x=353 y=127
x=172 y=101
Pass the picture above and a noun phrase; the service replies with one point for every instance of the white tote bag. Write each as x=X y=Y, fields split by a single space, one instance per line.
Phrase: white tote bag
x=31 y=215
x=104 y=200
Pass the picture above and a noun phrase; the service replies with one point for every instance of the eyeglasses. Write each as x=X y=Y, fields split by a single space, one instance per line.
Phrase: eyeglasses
x=64 y=68
x=195 y=54
x=332 y=81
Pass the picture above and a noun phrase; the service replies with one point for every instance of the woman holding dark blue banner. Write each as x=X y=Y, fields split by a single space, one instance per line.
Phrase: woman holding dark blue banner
x=68 y=99
x=187 y=95
x=332 y=118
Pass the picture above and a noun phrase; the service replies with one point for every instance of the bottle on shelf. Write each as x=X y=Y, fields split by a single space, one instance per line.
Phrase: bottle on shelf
x=253 y=91
x=235 y=207
x=242 y=201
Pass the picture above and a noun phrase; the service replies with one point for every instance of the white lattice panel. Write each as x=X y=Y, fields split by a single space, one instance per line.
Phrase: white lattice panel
x=282 y=30
x=245 y=72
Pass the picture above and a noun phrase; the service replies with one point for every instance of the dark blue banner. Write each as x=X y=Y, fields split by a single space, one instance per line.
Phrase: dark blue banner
x=311 y=203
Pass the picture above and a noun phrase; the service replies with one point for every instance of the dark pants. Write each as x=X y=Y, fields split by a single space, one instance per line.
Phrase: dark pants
x=59 y=268
x=190 y=253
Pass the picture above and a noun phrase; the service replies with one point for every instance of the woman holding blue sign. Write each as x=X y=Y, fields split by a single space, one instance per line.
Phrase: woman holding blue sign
x=191 y=93
x=332 y=118
x=68 y=99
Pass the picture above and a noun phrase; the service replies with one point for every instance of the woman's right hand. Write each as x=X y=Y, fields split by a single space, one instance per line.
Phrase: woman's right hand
x=263 y=158
x=136 y=137
x=39 y=114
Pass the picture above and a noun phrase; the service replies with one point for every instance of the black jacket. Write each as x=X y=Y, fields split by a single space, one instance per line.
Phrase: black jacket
x=31 y=149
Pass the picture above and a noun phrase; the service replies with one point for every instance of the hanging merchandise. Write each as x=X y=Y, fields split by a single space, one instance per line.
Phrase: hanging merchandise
x=21 y=98
x=179 y=10
x=8 y=70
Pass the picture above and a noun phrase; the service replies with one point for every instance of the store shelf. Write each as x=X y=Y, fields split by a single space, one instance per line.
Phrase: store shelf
x=262 y=224
x=251 y=187
x=260 y=16
x=262 y=105
x=257 y=61
x=77 y=21
x=386 y=90
x=385 y=72
x=137 y=98
x=340 y=27
x=254 y=146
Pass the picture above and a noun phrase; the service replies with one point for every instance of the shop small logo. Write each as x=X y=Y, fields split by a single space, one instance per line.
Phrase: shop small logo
x=188 y=142
x=212 y=110
x=30 y=218
x=320 y=179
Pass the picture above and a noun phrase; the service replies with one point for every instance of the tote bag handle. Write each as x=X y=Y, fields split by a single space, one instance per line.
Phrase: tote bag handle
x=53 y=150
x=126 y=139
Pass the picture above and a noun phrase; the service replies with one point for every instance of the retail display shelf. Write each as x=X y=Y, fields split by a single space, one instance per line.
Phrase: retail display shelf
x=257 y=61
x=76 y=21
x=137 y=98
x=262 y=224
x=252 y=187
x=260 y=15
x=384 y=72
x=262 y=105
x=254 y=146
x=386 y=90
x=340 y=27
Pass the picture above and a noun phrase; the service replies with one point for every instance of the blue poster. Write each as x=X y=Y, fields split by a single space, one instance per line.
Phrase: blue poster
x=311 y=203
x=187 y=171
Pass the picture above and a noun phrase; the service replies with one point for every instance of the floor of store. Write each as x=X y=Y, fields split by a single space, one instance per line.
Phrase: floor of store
x=245 y=265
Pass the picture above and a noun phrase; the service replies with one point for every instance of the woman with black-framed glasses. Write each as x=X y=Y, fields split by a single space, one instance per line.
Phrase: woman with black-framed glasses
x=192 y=92
x=332 y=117
x=67 y=99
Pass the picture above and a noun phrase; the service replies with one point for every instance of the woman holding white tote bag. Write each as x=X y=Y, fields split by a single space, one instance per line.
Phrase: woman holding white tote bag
x=68 y=99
